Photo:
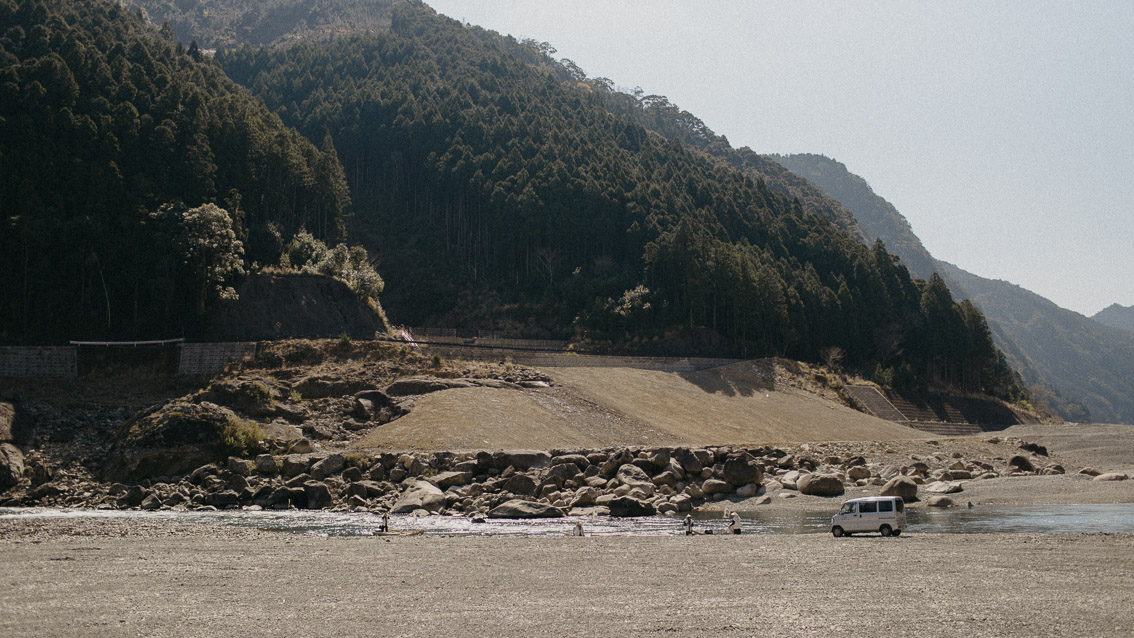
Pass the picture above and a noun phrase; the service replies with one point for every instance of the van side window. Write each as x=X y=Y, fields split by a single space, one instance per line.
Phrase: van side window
x=885 y=506
x=867 y=508
x=901 y=505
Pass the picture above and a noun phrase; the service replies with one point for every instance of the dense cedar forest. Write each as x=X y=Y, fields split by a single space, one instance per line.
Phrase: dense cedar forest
x=497 y=187
x=103 y=121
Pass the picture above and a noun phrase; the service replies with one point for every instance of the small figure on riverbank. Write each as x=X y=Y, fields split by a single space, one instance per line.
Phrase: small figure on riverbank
x=385 y=526
x=579 y=528
x=688 y=525
x=734 y=524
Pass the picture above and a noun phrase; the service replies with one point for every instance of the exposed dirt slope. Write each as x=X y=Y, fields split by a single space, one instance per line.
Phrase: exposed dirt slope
x=745 y=403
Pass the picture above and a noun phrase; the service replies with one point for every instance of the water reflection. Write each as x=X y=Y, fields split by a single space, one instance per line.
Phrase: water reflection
x=1031 y=520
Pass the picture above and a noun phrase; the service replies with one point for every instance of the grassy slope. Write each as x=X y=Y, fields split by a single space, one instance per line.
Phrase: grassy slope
x=600 y=407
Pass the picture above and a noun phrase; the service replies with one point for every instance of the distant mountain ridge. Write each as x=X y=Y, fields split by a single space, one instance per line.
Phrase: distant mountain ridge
x=1084 y=370
x=1116 y=316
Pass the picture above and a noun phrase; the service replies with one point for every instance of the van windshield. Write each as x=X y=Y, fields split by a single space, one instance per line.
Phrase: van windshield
x=900 y=505
x=847 y=508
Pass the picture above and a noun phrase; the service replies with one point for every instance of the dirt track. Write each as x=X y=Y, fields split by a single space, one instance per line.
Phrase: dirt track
x=168 y=580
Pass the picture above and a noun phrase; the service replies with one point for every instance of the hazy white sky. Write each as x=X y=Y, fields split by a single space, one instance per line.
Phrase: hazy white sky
x=1004 y=131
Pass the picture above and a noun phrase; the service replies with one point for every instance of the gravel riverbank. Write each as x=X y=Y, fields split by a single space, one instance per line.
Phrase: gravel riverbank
x=90 y=577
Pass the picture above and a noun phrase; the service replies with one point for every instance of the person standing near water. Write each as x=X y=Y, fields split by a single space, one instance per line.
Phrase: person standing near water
x=385 y=526
x=734 y=524
x=688 y=524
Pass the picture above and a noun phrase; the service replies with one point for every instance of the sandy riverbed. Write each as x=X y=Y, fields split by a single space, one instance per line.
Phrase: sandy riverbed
x=87 y=577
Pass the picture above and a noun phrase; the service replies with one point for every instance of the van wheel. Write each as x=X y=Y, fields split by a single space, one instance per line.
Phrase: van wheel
x=836 y=531
x=886 y=530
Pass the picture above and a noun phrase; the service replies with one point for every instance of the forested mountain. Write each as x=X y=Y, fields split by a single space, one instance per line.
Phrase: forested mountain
x=1116 y=316
x=877 y=217
x=1083 y=371
x=497 y=186
x=502 y=191
x=228 y=23
x=1082 y=359
x=137 y=178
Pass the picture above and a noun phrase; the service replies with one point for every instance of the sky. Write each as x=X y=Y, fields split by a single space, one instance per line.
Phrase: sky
x=1003 y=131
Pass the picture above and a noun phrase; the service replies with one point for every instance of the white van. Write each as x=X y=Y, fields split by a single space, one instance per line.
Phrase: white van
x=883 y=514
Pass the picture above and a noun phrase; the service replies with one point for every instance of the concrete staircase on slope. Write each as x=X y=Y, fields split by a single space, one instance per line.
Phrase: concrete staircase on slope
x=870 y=398
x=949 y=423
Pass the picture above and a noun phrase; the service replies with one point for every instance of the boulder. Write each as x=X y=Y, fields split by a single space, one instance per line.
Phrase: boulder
x=943 y=487
x=1090 y=471
x=223 y=498
x=321 y=386
x=445 y=480
x=1021 y=463
x=11 y=465
x=318 y=496
x=747 y=491
x=688 y=461
x=239 y=466
x=517 y=508
x=790 y=479
x=715 y=486
x=820 y=485
x=940 y=501
x=559 y=474
x=578 y=459
x=521 y=459
x=629 y=506
x=352 y=474
x=266 y=464
x=857 y=472
x=133 y=497
x=292 y=466
x=584 y=497
x=901 y=486
x=425 y=385
x=419 y=495
x=328 y=466
x=1034 y=449
x=521 y=484
x=170 y=439
x=741 y=470
x=13 y=429
x=1111 y=476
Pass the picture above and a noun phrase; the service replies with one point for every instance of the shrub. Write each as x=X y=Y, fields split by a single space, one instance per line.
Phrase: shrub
x=242 y=438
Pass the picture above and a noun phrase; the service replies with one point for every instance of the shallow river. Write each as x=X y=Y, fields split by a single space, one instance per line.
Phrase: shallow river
x=1038 y=519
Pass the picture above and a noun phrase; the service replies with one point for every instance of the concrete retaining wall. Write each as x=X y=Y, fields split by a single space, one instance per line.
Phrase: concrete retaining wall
x=203 y=358
x=38 y=361
x=570 y=360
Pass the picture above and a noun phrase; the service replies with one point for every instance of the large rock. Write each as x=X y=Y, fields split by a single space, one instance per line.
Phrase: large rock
x=715 y=486
x=820 y=484
x=445 y=480
x=1110 y=476
x=630 y=506
x=320 y=386
x=521 y=459
x=741 y=470
x=1022 y=463
x=11 y=465
x=943 y=487
x=688 y=461
x=13 y=429
x=328 y=466
x=902 y=486
x=318 y=496
x=421 y=495
x=521 y=484
x=425 y=385
x=171 y=439
x=516 y=508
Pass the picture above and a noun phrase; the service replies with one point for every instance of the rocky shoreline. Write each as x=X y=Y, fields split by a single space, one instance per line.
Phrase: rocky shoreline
x=533 y=483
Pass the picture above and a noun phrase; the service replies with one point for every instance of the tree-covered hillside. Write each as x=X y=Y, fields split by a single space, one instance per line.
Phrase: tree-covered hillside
x=1116 y=316
x=227 y=23
x=137 y=178
x=1080 y=369
x=501 y=191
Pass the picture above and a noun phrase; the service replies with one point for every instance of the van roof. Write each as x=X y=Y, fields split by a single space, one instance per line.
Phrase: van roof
x=873 y=498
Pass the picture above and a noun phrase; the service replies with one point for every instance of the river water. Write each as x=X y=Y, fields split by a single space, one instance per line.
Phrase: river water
x=1036 y=519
